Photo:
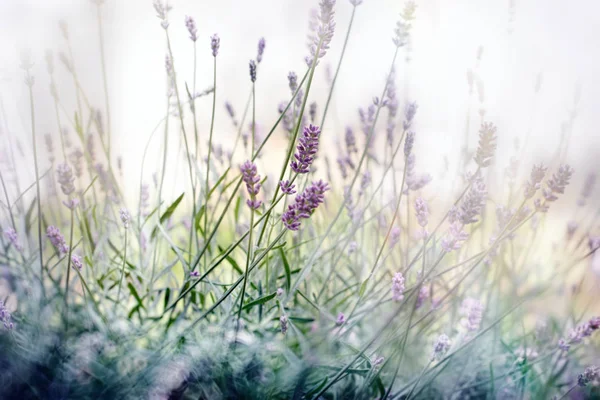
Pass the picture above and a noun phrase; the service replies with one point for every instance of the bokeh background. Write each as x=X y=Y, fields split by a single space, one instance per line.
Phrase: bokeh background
x=510 y=46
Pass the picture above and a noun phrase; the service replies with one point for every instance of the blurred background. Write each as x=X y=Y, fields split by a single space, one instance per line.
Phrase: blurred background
x=532 y=67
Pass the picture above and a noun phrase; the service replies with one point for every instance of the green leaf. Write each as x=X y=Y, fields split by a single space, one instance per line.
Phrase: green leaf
x=286 y=266
x=260 y=300
x=167 y=214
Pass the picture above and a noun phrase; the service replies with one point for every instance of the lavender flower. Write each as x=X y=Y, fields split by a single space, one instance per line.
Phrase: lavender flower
x=161 y=12
x=307 y=147
x=283 y=321
x=287 y=187
x=473 y=203
x=580 y=332
x=409 y=143
x=194 y=274
x=251 y=179
x=356 y=2
x=190 y=24
x=215 y=44
x=441 y=347
x=350 y=139
x=589 y=375
x=322 y=34
x=125 y=217
x=487 y=144
x=13 y=238
x=77 y=263
x=261 y=50
x=472 y=311
x=558 y=183
x=305 y=205
x=341 y=319
x=455 y=238
x=422 y=211
x=57 y=239
x=293 y=82
x=65 y=178
x=535 y=181
x=409 y=114
x=398 y=287
x=279 y=292
x=252 y=65
x=5 y=316
x=422 y=296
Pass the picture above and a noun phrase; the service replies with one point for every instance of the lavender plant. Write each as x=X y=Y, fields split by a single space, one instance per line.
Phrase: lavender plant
x=274 y=274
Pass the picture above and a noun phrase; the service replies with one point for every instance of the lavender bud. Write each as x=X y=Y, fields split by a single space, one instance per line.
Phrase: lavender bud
x=422 y=211
x=441 y=347
x=251 y=179
x=13 y=238
x=398 y=287
x=57 y=240
x=487 y=144
x=293 y=82
x=191 y=27
x=65 y=178
x=76 y=261
x=558 y=183
x=454 y=238
x=341 y=319
x=307 y=148
x=283 y=321
x=287 y=187
x=279 y=292
x=472 y=311
x=252 y=65
x=215 y=43
x=535 y=181
x=304 y=205
x=125 y=217
x=5 y=316
x=409 y=143
x=261 y=50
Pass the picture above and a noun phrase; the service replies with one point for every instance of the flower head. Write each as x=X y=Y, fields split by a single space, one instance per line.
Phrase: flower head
x=487 y=144
x=76 y=261
x=125 y=217
x=251 y=179
x=5 y=316
x=13 y=238
x=535 y=181
x=472 y=311
x=305 y=205
x=287 y=187
x=321 y=31
x=261 y=50
x=341 y=319
x=191 y=27
x=307 y=148
x=441 y=347
x=252 y=65
x=398 y=286
x=57 y=239
x=589 y=375
x=65 y=178
x=215 y=44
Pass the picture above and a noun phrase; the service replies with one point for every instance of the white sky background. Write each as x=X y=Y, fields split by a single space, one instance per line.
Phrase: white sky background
x=559 y=39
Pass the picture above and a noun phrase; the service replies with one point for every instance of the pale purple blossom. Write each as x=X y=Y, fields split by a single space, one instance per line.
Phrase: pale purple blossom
x=287 y=187
x=252 y=67
x=394 y=236
x=341 y=319
x=441 y=347
x=261 y=50
x=558 y=183
x=190 y=24
x=283 y=321
x=125 y=217
x=65 y=178
x=13 y=238
x=57 y=239
x=538 y=172
x=215 y=44
x=322 y=29
x=398 y=287
x=590 y=374
x=5 y=316
x=76 y=261
x=487 y=144
x=472 y=312
x=454 y=238
x=422 y=211
x=251 y=179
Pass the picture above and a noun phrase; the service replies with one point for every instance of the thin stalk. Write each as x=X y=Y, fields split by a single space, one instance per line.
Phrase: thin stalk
x=69 y=272
x=212 y=124
x=104 y=81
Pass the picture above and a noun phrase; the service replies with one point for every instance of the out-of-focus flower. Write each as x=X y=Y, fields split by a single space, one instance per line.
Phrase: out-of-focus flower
x=57 y=239
x=441 y=347
x=283 y=322
x=398 y=286
x=215 y=44
x=558 y=183
x=65 y=178
x=538 y=172
x=125 y=217
x=590 y=374
x=190 y=24
x=77 y=263
x=487 y=144
x=13 y=238
x=341 y=319
x=287 y=187
x=322 y=30
x=261 y=50
x=455 y=237
x=580 y=332
x=472 y=312
x=5 y=316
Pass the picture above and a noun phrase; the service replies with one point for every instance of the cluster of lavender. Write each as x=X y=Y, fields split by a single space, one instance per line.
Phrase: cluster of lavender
x=304 y=205
x=472 y=312
x=580 y=332
x=13 y=239
x=398 y=287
